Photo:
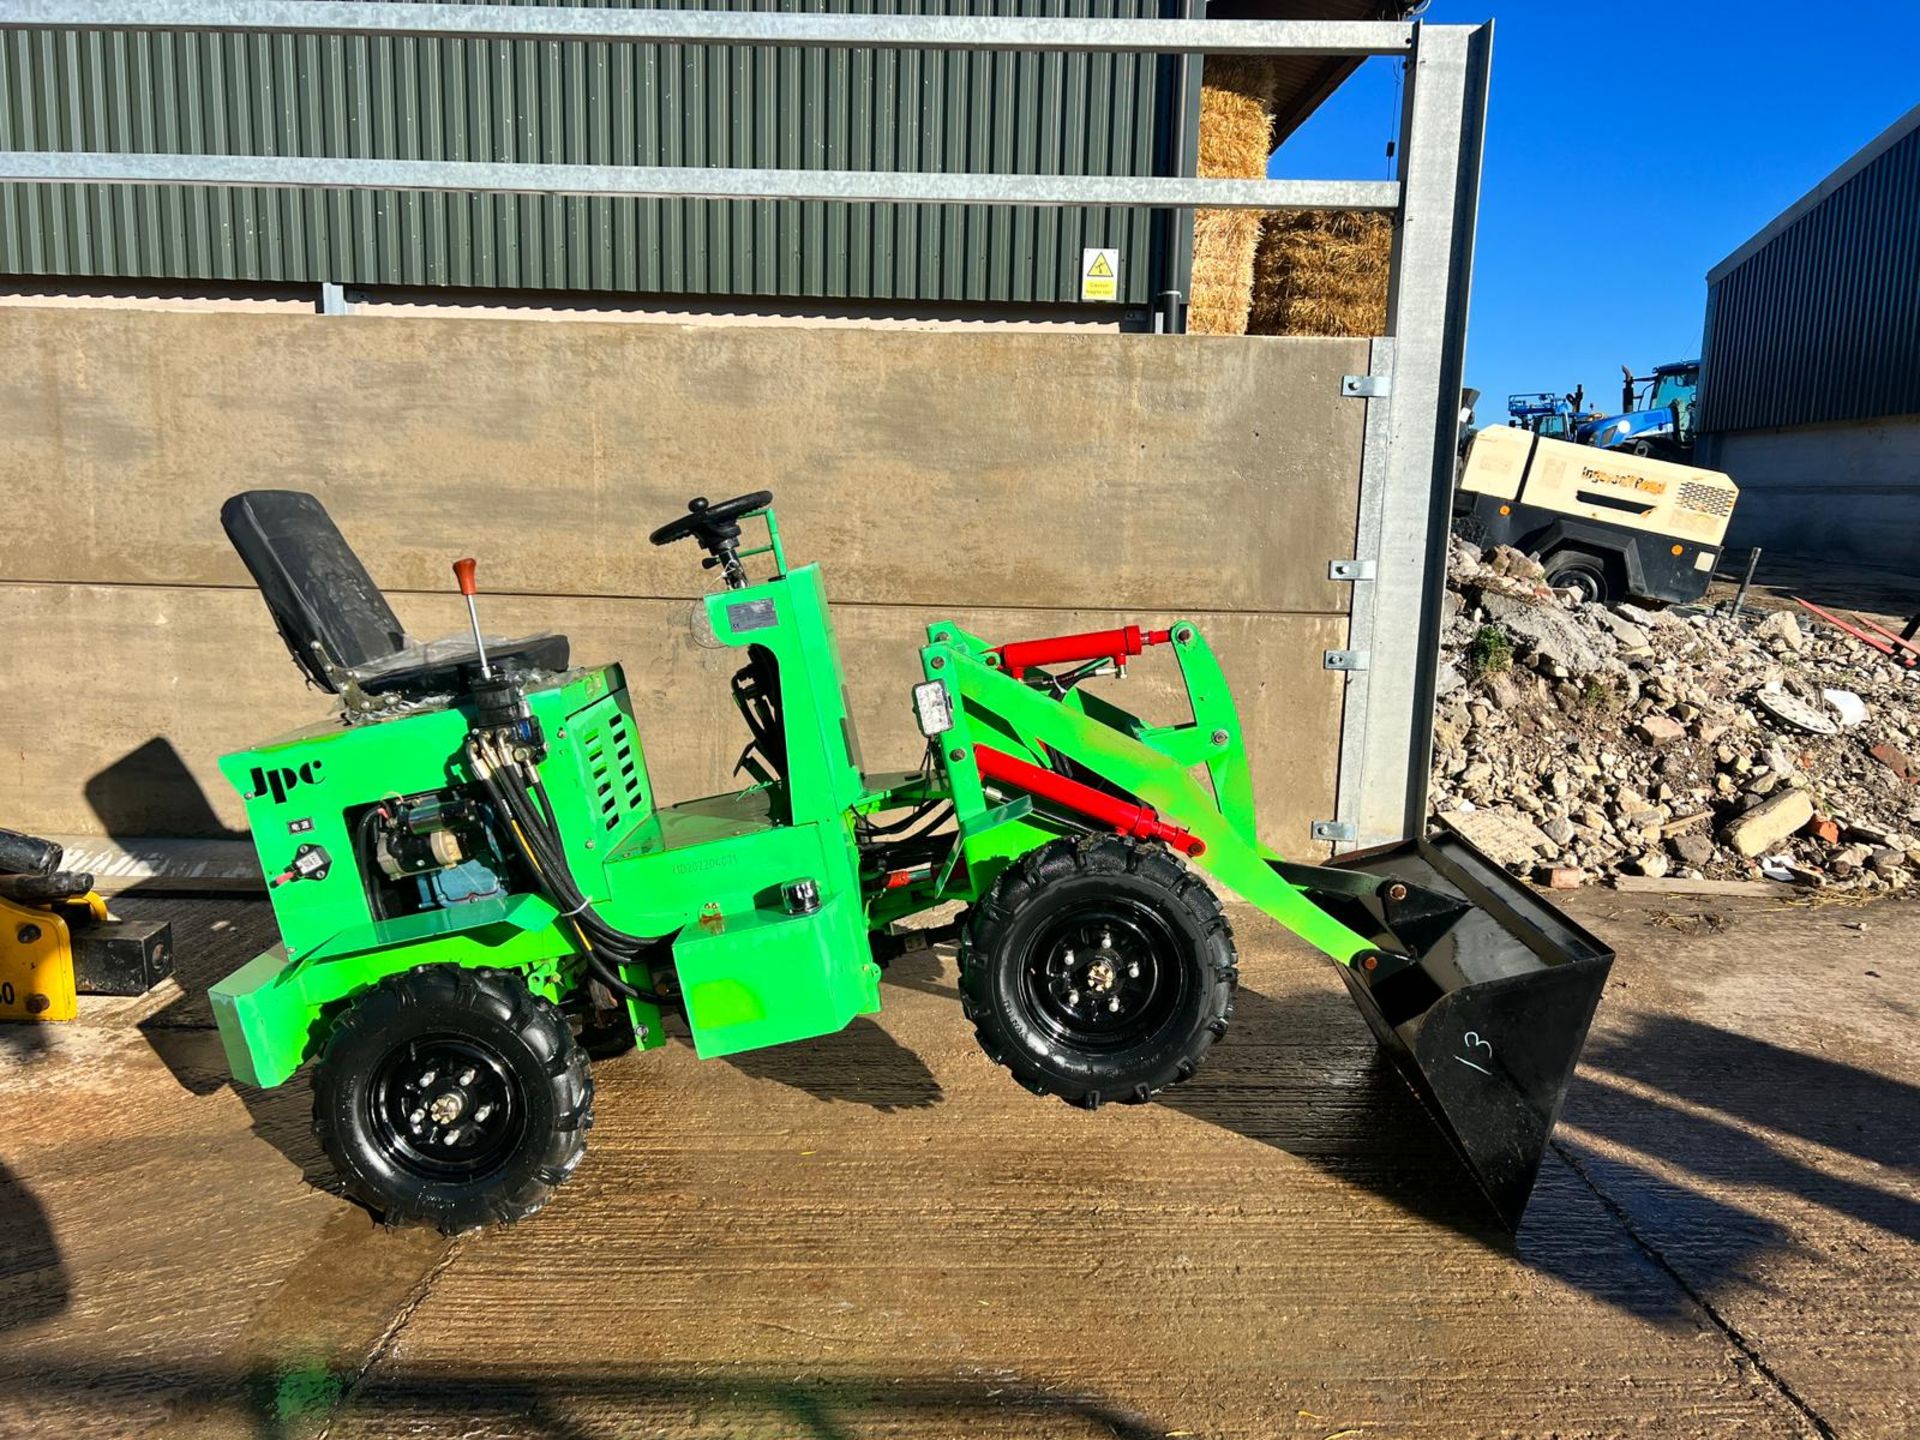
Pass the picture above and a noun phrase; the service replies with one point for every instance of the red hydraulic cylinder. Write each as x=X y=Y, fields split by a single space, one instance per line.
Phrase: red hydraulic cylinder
x=1115 y=645
x=1125 y=816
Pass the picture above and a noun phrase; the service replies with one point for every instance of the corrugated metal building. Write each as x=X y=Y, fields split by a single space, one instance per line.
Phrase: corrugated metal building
x=621 y=105
x=1810 y=386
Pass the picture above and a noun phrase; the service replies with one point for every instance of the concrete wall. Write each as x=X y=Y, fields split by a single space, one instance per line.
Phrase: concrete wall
x=1021 y=483
x=1840 y=492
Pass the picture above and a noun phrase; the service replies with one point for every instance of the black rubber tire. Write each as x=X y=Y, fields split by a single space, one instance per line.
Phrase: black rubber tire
x=1587 y=573
x=1046 y=888
x=540 y=1063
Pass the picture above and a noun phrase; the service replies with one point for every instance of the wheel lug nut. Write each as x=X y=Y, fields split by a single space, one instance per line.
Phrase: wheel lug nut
x=416 y=1117
x=453 y=1134
x=1106 y=940
x=1073 y=997
x=427 y=1077
x=1133 y=972
x=1114 y=1003
x=466 y=1077
x=482 y=1113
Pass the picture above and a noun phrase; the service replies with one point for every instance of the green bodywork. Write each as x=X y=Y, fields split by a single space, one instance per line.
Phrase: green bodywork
x=710 y=872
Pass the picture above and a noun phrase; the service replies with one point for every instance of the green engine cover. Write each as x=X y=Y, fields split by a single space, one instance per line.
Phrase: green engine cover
x=710 y=875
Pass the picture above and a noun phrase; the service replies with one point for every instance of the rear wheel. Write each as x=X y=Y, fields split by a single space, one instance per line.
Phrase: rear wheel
x=1098 y=969
x=452 y=1097
x=1586 y=575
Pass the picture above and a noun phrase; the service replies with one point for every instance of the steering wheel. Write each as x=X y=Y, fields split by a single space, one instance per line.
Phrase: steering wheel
x=705 y=519
x=717 y=528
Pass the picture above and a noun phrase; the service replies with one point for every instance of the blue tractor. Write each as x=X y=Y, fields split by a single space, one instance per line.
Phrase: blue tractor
x=1656 y=416
x=1558 y=417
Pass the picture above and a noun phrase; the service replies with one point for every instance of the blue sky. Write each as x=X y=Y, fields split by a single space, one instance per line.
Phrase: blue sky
x=1599 y=221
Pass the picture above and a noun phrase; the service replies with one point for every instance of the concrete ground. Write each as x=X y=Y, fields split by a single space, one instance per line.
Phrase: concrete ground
x=878 y=1234
x=1890 y=598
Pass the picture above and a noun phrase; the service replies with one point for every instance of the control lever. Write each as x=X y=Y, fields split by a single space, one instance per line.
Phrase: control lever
x=500 y=698
x=463 y=571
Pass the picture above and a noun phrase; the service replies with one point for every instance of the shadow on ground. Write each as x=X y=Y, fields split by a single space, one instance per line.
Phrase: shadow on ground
x=213 y=937
x=860 y=1065
x=34 y=1284
x=299 y=1399
x=1301 y=1072
x=925 y=971
x=1672 y=1107
x=1860 y=588
x=24 y=1041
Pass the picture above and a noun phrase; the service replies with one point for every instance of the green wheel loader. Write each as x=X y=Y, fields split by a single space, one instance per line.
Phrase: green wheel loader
x=474 y=880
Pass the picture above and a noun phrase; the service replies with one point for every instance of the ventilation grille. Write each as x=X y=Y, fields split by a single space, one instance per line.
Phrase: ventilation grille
x=1705 y=499
x=613 y=770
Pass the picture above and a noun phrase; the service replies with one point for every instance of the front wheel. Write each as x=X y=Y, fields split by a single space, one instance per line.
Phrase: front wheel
x=452 y=1097
x=1098 y=969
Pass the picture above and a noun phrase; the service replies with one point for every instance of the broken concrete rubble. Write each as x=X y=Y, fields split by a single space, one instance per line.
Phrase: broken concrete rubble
x=1620 y=741
x=1502 y=835
x=1769 y=823
x=1543 y=626
x=1781 y=626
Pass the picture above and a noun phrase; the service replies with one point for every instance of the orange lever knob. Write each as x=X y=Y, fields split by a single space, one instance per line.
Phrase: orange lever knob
x=463 y=572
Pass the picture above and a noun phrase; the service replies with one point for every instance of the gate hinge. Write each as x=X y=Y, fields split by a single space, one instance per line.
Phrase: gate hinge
x=1334 y=830
x=1366 y=387
x=1347 y=659
x=1350 y=570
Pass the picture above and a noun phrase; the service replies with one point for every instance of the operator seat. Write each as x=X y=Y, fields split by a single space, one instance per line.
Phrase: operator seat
x=320 y=594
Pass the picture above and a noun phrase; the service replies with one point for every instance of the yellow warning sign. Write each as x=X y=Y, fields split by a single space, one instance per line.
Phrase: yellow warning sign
x=1099 y=275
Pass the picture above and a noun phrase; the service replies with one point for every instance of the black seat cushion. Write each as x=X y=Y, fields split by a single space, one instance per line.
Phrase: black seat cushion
x=433 y=667
x=320 y=595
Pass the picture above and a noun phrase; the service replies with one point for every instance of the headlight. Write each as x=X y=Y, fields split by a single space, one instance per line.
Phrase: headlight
x=933 y=708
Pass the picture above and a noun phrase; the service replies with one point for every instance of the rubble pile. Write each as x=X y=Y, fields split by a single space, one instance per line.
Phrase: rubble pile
x=1576 y=742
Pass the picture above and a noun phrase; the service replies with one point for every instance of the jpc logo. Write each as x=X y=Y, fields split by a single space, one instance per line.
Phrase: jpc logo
x=281 y=781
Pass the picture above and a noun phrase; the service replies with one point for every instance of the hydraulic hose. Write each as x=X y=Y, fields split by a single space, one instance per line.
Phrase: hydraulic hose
x=539 y=840
x=911 y=820
x=363 y=856
x=545 y=866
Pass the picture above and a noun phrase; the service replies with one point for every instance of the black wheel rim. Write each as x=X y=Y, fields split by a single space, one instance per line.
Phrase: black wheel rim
x=1103 y=975
x=1581 y=580
x=446 y=1107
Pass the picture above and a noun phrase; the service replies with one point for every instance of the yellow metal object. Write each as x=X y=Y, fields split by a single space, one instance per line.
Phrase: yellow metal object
x=36 y=961
x=1657 y=497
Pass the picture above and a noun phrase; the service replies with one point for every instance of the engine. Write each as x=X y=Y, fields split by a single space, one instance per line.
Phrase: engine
x=431 y=851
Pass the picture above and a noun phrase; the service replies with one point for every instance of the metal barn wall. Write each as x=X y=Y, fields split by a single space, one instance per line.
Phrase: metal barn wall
x=591 y=103
x=1820 y=322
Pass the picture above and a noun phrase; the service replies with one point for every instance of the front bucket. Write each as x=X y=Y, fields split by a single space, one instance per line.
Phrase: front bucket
x=1481 y=992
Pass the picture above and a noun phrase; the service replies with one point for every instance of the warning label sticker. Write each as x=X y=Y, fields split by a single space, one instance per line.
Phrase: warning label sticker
x=1100 y=275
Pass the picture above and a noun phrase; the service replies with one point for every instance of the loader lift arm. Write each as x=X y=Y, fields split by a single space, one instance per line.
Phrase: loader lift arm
x=1479 y=992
